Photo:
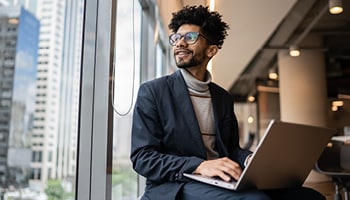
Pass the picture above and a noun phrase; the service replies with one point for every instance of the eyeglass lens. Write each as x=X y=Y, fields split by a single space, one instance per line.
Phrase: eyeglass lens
x=190 y=38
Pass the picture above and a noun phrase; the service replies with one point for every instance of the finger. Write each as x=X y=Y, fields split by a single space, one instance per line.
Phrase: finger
x=224 y=176
x=235 y=173
x=231 y=168
x=228 y=163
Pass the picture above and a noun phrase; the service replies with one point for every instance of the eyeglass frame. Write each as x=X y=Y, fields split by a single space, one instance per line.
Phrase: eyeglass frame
x=184 y=36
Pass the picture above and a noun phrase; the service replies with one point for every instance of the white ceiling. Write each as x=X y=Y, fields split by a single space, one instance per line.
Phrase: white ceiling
x=251 y=23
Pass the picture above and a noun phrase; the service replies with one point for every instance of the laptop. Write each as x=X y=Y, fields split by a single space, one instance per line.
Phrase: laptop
x=283 y=158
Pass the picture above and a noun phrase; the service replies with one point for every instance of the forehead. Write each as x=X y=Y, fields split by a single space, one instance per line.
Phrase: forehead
x=188 y=28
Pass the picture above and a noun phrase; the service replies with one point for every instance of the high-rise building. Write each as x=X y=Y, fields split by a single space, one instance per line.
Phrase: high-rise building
x=55 y=118
x=54 y=140
x=44 y=145
x=19 y=33
x=70 y=82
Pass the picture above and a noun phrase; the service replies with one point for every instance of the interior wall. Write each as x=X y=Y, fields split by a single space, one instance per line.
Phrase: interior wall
x=166 y=8
x=302 y=83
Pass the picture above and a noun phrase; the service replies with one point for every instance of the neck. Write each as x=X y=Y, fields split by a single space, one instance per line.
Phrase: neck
x=198 y=72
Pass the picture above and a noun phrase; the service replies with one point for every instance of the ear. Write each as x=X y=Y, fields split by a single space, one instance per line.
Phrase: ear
x=212 y=50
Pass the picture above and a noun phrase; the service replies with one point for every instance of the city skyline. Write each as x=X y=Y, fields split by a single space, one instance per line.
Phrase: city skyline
x=45 y=94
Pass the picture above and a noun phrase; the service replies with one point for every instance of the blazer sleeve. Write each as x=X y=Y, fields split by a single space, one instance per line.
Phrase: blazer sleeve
x=237 y=152
x=228 y=126
x=148 y=154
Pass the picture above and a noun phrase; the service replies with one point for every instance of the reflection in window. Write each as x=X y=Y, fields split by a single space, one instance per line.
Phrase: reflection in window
x=126 y=68
x=37 y=146
x=129 y=71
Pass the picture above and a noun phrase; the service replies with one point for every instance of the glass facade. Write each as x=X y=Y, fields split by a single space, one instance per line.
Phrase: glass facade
x=19 y=51
x=40 y=54
x=69 y=73
x=139 y=55
x=126 y=69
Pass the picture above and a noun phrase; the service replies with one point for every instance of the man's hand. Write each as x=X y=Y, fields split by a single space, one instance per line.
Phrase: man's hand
x=224 y=168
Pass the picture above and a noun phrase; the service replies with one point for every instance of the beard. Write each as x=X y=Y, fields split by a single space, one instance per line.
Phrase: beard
x=181 y=63
x=194 y=61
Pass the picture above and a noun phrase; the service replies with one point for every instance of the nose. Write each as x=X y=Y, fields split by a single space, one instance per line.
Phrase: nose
x=181 y=42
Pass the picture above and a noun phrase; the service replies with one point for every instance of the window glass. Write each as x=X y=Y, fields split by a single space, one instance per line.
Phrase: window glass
x=160 y=60
x=37 y=148
x=126 y=71
x=133 y=63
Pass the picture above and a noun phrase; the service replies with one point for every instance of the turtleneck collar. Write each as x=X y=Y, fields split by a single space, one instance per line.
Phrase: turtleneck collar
x=195 y=84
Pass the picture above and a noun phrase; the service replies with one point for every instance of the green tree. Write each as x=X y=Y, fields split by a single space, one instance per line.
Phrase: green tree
x=54 y=190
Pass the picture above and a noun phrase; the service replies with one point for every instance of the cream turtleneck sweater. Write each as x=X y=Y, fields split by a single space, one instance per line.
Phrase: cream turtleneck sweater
x=201 y=100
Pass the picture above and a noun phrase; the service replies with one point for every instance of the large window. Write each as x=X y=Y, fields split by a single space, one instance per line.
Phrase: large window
x=68 y=82
x=126 y=70
x=39 y=97
x=137 y=37
x=69 y=74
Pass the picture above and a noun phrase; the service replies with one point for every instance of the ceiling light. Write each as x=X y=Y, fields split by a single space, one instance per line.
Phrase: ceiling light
x=251 y=98
x=273 y=75
x=250 y=119
x=338 y=103
x=335 y=6
x=334 y=108
x=294 y=51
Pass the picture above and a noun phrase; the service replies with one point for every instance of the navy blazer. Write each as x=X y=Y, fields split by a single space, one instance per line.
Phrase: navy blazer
x=166 y=138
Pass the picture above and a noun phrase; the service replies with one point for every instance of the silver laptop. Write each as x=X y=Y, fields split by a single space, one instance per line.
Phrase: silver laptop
x=283 y=158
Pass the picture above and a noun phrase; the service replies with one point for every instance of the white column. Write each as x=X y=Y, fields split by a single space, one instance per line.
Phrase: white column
x=303 y=90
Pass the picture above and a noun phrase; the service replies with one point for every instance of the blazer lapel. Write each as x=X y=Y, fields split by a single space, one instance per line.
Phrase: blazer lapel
x=185 y=109
x=217 y=109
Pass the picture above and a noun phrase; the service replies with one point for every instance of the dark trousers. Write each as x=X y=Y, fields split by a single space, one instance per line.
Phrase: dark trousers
x=199 y=191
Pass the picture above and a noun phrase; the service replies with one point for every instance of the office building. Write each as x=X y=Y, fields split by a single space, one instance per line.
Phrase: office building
x=19 y=32
x=45 y=136
x=69 y=89
x=54 y=119
x=56 y=106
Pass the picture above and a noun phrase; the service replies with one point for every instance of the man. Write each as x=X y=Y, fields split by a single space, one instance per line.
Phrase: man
x=184 y=123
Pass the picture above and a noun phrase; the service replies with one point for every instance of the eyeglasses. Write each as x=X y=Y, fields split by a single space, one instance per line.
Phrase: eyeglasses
x=190 y=38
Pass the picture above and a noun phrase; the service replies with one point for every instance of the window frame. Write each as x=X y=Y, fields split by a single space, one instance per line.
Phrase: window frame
x=94 y=124
x=95 y=127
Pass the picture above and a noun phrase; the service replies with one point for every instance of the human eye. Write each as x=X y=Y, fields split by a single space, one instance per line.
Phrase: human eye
x=177 y=37
x=174 y=38
x=191 y=37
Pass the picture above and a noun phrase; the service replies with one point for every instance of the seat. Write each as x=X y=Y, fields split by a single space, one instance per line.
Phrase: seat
x=335 y=163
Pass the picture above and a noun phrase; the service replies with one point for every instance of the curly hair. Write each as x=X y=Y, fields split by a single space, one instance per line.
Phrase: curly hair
x=210 y=23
